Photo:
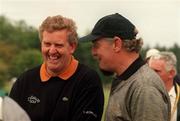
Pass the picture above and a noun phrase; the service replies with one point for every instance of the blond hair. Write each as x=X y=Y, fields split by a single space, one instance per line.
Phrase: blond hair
x=55 y=23
x=134 y=44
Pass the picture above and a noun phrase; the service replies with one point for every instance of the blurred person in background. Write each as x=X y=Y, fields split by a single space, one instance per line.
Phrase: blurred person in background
x=149 y=53
x=154 y=51
x=164 y=63
x=137 y=92
x=61 y=89
x=11 y=111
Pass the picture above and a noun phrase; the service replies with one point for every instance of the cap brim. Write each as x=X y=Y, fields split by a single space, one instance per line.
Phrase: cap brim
x=89 y=37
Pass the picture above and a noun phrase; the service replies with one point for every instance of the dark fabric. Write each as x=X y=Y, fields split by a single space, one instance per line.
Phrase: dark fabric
x=110 y=26
x=80 y=98
x=132 y=69
x=129 y=72
x=177 y=79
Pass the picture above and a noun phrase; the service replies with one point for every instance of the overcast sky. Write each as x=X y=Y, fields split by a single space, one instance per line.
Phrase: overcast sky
x=158 y=21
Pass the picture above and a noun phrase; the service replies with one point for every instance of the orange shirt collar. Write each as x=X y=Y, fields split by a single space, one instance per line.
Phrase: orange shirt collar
x=65 y=75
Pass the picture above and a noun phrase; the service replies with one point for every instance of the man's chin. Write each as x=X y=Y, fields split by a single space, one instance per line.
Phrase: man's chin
x=107 y=73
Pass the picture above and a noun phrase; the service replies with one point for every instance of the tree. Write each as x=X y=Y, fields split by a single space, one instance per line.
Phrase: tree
x=25 y=60
x=19 y=33
x=3 y=73
x=176 y=50
x=7 y=51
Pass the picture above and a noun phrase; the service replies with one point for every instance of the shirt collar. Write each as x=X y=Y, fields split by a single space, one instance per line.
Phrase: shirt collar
x=132 y=69
x=65 y=75
x=172 y=92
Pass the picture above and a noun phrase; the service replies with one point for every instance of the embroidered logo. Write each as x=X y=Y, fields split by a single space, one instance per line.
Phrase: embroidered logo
x=90 y=113
x=33 y=100
x=65 y=99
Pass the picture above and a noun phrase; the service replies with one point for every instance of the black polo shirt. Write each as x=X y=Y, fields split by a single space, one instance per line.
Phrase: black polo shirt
x=79 y=98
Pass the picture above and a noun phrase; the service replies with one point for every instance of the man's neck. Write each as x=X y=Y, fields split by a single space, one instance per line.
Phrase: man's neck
x=127 y=61
x=169 y=85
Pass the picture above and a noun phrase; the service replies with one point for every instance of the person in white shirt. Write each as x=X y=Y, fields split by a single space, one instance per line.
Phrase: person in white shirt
x=164 y=63
x=11 y=111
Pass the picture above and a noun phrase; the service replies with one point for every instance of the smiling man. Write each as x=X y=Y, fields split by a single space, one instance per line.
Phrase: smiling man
x=61 y=89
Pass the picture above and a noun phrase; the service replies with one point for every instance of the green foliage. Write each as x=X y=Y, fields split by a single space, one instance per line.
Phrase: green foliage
x=6 y=28
x=25 y=60
x=19 y=48
x=18 y=33
x=176 y=50
x=83 y=54
x=7 y=51
x=3 y=72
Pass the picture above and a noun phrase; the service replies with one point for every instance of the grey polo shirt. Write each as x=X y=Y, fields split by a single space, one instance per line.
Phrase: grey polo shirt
x=138 y=95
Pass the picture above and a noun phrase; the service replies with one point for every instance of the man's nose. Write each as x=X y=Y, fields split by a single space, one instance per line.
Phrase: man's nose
x=52 y=49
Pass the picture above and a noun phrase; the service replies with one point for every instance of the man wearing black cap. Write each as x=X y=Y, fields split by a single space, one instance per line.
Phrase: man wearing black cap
x=137 y=92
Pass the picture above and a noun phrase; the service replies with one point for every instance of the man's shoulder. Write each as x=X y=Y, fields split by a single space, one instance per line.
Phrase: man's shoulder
x=145 y=76
x=147 y=73
x=87 y=75
x=86 y=69
x=29 y=76
x=31 y=72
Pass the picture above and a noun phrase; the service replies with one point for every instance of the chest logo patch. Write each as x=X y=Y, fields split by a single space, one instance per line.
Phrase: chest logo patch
x=65 y=99
x=33 y=100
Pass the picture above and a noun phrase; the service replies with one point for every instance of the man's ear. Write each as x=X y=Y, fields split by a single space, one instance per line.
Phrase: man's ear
x=172 y=73
x=73 y=47
x=117 y=45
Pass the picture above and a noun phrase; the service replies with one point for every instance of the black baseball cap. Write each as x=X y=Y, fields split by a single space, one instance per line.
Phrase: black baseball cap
x=110 y=26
